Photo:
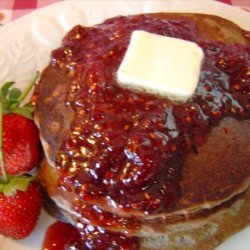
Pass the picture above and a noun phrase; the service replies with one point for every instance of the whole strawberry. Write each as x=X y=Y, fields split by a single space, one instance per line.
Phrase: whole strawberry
x=21 y=145
x=19 y=212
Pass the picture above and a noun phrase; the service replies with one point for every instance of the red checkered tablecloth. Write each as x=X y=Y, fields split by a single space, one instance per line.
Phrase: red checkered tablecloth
x=12 y=9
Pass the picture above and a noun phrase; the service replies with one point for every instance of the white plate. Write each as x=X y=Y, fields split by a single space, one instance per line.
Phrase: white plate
x=26 y=44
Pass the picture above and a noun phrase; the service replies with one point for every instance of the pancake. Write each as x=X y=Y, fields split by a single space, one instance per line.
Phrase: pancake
x=199 y=171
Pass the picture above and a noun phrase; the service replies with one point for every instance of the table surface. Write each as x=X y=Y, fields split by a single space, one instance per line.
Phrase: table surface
x=13 y=9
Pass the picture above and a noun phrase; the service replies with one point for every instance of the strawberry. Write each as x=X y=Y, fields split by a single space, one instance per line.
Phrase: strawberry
x=21 y=145
x=19 y=212
x=20 y=198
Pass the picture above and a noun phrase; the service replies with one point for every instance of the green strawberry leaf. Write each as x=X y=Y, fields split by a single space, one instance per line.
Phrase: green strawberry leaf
x=14 y=94
x=5 y=89
x=19 y=183
x=24 y=111
x=10 y=103
x=1 y=188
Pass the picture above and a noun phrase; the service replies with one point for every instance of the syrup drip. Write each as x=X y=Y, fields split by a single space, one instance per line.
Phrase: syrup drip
x=63 y=236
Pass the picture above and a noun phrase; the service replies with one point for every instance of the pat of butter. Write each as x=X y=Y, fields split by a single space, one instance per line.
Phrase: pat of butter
x=162 y=65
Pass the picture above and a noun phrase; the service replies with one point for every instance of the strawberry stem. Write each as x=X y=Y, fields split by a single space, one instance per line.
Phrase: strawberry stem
x=26 y=90
x=4 y=174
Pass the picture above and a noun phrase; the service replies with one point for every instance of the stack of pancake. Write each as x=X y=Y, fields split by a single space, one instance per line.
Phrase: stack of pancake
x=209 y=197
